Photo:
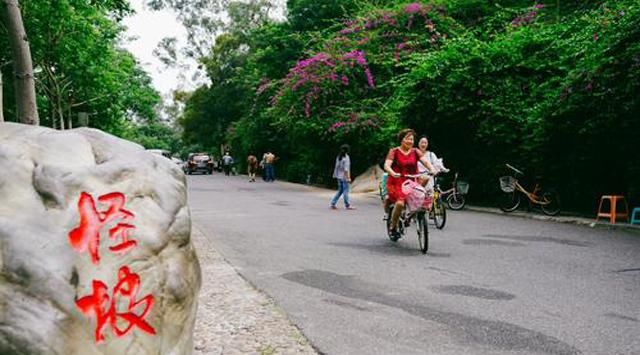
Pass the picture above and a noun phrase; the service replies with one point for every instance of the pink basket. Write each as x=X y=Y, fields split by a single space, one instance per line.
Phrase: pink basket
x=415 y=195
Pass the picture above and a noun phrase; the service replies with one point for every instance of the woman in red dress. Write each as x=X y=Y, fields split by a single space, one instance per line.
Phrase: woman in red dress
x=402 y=161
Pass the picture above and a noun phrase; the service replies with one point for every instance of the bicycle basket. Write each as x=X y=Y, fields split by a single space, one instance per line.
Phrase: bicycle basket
x=414 y=195
x=507 y=183
x=462 y=187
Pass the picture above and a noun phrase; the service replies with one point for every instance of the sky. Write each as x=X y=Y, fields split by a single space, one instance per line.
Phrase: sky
x=145 y=29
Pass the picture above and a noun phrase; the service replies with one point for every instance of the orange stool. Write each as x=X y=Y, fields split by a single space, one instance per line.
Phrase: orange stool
x=613 y=214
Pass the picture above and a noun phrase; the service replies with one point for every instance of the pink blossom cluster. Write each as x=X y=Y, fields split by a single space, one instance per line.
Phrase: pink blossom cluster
x=412 y=8
x=386 y=18
x=400 y=47
x=264 y=84
x=358 y=57
x=319 y=69
x=528 y=17
x=314 y=73
x=352 y=123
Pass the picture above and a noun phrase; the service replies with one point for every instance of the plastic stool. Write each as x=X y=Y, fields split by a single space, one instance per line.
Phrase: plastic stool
x=635 y=220
x=613 y=214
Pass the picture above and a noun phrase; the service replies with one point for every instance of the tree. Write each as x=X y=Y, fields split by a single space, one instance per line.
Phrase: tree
x=1 y=105
x=25 y=90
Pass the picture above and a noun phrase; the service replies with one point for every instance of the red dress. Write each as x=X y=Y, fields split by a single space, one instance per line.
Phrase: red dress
x=405 y=164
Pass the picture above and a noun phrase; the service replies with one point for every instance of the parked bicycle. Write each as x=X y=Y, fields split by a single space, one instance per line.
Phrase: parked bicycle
x=455 y=195
x=547 y=199
x=417 y=217
x=455 y=200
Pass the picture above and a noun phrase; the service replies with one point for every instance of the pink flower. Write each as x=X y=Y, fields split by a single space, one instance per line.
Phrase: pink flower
x=307 y=108
x=367 y=73
x=336 y=125
x=264 y=84
x=345 y=80
x=357 y=55
x=346 y=31
x=412 y=8
x=589 y=86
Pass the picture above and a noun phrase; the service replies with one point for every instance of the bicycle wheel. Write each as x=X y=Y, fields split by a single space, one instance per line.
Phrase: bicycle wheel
x=439 y=214
x=553 y=207
x=393 y=238
x=456 y=201
x=423 y=232
x=509 y=201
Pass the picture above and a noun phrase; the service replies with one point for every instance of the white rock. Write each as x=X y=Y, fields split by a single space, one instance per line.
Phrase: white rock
x=42 y=174
x=367 y=181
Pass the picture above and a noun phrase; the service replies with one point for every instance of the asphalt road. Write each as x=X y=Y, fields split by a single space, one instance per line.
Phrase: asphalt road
x=490 y=284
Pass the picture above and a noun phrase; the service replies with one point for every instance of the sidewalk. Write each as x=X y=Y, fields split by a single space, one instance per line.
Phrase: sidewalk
x=235 y=318
x=590 y=222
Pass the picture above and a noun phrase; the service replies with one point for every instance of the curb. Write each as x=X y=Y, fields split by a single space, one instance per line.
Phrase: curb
x=588 y=222
x=581 y=221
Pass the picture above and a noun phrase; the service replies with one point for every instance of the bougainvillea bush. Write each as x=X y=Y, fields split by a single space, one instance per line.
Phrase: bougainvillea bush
x=551 y=89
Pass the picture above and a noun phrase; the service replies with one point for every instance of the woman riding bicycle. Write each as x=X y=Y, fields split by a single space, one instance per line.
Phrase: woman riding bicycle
x=425 y=179
x=400 y=162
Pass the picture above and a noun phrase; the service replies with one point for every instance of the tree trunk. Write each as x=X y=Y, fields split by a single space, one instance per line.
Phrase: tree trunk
x=27 y=108
x=1 y=102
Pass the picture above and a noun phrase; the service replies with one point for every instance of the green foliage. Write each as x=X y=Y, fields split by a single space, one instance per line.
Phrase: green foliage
x=550 y=87
x=154 y=135
x=74 y=47
x=81 y=68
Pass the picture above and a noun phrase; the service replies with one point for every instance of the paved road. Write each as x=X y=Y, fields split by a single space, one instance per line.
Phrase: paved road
x=490 y=284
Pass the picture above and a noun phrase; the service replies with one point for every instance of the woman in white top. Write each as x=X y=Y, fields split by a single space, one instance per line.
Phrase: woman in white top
x=342 y=172
x=426 y=179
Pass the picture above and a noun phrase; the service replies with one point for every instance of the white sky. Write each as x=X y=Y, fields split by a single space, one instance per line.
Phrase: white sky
x=149 y=27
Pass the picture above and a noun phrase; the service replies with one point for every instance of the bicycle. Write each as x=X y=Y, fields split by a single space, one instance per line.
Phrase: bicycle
x=438 y=212
x=406 y=218
x=455 y=195
x=547 y=199
x=455 y=200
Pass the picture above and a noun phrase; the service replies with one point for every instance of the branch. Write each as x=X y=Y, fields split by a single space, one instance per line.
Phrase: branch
x=90 y=100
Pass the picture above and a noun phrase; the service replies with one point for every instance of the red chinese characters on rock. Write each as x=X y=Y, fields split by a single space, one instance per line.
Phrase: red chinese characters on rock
x=99 y=304
x=87 y=235
x=103 y=306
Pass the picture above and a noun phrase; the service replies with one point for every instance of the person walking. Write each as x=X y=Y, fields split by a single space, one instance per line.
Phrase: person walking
x=342 y=172
x=227 y=161
x=252 y=167
x=269 y=159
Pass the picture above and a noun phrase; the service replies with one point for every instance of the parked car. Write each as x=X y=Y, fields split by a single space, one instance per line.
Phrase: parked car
x=199 y=162
x=164 y=153
x=178 y=162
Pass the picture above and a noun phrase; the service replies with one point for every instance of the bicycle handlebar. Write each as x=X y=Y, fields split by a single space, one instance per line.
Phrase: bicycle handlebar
x=514 y=169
